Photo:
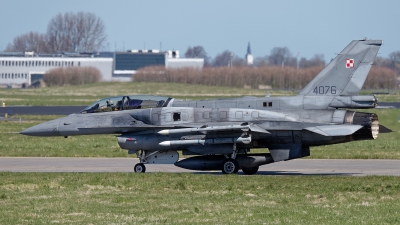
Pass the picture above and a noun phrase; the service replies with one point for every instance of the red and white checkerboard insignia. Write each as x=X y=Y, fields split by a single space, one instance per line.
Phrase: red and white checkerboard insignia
x=349 y=63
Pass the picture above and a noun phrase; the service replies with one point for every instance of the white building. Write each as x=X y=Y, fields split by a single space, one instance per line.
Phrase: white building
x=19 y=70
x=27 y=67
x=249 y=57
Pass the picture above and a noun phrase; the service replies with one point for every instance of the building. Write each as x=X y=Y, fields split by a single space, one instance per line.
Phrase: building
x=26 y=67
x=249 y=57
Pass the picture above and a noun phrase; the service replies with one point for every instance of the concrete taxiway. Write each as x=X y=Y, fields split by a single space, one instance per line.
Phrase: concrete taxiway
x=344 y=167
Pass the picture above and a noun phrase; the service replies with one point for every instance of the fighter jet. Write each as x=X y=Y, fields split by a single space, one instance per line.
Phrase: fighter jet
x=219 y=134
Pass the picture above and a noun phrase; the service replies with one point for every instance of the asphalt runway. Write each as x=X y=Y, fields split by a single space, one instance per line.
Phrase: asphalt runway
x=342 y=167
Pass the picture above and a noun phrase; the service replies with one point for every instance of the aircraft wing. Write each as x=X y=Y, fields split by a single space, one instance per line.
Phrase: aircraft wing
x=334 y=130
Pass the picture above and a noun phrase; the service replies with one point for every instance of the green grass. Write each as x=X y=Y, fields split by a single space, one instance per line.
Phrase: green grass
x=184 y=198
x=86 y=94
x=13 y=144
x=387 y=146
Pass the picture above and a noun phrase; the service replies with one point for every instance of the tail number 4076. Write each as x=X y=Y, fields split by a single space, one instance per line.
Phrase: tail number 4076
x=325 y=90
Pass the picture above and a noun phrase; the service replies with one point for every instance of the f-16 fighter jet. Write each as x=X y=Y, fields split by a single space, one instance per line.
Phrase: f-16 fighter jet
x=221 y=133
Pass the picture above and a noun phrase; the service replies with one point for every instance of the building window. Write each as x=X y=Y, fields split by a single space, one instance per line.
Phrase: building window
x=79 y=63
x=26 y=76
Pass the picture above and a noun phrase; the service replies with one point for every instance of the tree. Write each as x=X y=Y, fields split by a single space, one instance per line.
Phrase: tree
x=31 y=41
x=69 y=32
x=261 y=61
x=395 y=58
x=281 y=56
x=383 y=62
x=223 y=59
x=198 y=52
x=80 y=32
x=317 y=60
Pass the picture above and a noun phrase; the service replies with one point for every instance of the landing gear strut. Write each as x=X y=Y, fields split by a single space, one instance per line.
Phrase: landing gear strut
x=230 y=165
x=140 y=167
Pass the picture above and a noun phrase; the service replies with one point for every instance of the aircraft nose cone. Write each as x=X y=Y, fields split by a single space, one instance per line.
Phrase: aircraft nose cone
x=45 y=129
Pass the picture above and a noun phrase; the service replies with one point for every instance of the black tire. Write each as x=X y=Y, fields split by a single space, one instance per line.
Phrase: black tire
x=140 y=168
x=230 y=166
x=250 y=170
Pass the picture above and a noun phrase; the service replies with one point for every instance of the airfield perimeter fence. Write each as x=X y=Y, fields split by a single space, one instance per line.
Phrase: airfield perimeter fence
x=271 y=77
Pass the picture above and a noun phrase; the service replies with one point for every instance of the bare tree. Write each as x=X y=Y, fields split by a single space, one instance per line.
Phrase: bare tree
x=31 y=41
x=237 y=61
x=395 y=58
x=80 y=32
x=317 y=60
x=261 y=61
x=198 y=52
x=383 y=62
x=279 y=56
x=223 y=59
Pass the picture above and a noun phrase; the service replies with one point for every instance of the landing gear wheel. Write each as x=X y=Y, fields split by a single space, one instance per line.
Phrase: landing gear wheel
x=230 y=166
x=250 y=170
x=140 y=168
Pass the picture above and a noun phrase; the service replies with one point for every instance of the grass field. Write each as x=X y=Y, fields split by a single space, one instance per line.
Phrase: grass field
x=86 y=94
x=161 y=198
x=387 y=146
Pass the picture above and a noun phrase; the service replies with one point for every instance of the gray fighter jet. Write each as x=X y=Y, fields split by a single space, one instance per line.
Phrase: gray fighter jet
x=220 y=133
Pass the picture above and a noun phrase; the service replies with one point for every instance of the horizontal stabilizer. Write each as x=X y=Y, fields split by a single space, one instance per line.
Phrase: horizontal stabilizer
x=334 y=130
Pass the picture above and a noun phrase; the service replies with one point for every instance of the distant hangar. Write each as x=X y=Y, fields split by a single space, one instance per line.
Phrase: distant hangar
x=17 y=68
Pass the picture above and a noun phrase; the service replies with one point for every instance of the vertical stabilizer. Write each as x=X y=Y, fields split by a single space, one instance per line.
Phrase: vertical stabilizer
x=346 y=73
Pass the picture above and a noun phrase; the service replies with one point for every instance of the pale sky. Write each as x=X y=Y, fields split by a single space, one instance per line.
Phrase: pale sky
x=307 y=26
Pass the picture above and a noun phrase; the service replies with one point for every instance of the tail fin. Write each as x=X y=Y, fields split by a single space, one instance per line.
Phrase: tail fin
x=346 y=73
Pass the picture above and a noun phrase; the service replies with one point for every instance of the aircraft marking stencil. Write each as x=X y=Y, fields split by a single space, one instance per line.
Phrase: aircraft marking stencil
x=349 y=63
x=220 y=133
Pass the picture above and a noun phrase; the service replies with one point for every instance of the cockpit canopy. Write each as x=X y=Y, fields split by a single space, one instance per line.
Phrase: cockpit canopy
x=127 y=102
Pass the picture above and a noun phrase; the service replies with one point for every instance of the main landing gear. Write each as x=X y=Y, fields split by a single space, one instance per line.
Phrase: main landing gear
x=140 y=168
x=230 y=166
